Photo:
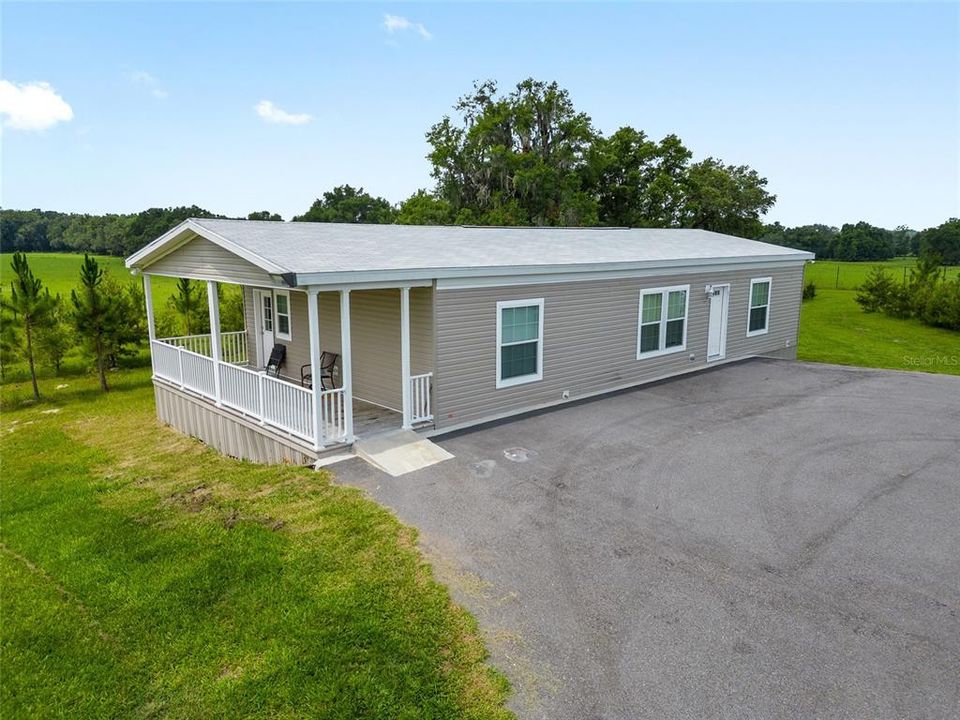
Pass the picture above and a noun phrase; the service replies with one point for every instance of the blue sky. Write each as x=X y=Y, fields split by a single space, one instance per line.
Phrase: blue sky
x=851 y=110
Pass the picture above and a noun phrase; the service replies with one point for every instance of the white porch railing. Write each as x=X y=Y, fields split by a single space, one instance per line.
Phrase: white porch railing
x=420 y=403
x=331 y=410
x=185 y=362
x=233 y=345
x=287 y=406
x=267 y=400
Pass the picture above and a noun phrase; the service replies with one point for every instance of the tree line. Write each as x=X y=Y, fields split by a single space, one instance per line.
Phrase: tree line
x=863 y=242
x=110 y=234
x=102 y=317
x=526 y=157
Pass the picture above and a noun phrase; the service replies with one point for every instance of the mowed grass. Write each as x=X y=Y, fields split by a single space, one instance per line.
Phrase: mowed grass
x=146 y=576
x=834 y=328
x=60 y=273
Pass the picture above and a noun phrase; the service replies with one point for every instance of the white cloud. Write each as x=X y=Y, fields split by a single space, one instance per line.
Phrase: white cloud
x=271 y=113
x=32 y=106
x=148 y=82
x=397 y=23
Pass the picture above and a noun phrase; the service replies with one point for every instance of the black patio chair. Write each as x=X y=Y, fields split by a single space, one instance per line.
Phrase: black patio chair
x=277 y=358
x=327 y=361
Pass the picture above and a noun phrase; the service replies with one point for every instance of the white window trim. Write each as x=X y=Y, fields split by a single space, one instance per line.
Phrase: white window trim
x=665 y=292
x=755 y=281
x=520 y=379
x=276 y=316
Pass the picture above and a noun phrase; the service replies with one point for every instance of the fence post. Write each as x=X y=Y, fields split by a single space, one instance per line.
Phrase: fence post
x=180 y=361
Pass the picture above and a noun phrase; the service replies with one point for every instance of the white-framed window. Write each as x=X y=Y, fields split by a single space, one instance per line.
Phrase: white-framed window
x=266 y=301
x=662 y=326
x=758 y=315
x=519 y=341
x=283 y=314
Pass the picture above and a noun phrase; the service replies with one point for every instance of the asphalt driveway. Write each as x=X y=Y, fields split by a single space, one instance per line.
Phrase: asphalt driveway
x=764 y=540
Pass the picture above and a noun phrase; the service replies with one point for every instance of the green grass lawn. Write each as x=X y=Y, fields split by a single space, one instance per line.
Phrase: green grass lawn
x=833 y=329
x=145 y=576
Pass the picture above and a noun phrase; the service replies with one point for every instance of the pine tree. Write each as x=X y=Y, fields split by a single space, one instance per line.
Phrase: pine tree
x=31 y=307
x=186 y=302
x=55 y=339
x=101 y=316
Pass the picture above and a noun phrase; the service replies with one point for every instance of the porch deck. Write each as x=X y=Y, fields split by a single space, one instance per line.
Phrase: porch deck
x=224 y=397
x=370 y=419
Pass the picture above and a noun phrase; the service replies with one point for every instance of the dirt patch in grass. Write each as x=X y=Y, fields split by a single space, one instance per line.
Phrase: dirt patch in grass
x=192 y=500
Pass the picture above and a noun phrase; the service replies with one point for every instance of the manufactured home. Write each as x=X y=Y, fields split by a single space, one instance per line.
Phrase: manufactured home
x=354 y=329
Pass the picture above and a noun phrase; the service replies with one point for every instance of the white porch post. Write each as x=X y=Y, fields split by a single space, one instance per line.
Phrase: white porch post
x=313 y=314
x=347 y=363
x=405 y=356
x=151 y=326
x=148 y=300
x=213 y=304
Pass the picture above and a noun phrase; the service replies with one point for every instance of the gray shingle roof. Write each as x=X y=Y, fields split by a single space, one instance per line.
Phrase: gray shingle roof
x=333 y=247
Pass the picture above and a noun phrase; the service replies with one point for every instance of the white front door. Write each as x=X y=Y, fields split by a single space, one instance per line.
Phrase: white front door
x=265 y=316
x=717 y=331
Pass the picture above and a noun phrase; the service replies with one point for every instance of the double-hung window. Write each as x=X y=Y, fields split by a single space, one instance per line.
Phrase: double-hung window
x=519 y=341
x=283 y=314
x=758 y=320
x=663 y=321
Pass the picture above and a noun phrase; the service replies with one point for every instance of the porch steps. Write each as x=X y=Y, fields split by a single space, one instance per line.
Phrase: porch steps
x=399 y=452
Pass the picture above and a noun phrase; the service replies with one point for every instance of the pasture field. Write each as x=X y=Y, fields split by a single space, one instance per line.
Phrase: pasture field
x=836 y=275
x=60 y=272
x=146 y=576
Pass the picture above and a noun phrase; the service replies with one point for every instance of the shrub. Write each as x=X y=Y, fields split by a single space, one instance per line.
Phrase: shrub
x=809 y=291
x=877 y=291
x=942 y=305
x=926 y=295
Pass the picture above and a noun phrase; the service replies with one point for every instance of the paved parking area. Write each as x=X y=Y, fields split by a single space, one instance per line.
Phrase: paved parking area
x=764 y=540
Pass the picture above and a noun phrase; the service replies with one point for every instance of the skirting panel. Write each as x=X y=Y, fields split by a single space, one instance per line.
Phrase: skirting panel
x=230 y=434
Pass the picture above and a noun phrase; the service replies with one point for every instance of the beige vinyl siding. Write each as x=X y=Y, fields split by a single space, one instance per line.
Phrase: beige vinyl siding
x=203 y=260
x=298 y=347
x=375 y=339
x=590 y=338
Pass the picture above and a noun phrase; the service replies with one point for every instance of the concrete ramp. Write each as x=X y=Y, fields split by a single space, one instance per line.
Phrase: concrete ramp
x=399 y=451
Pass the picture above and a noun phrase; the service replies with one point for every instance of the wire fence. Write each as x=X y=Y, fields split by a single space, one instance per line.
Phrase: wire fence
x=828 y=275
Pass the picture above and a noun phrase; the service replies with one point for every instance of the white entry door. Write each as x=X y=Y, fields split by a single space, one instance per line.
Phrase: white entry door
x=265 y=317
x=717 y=331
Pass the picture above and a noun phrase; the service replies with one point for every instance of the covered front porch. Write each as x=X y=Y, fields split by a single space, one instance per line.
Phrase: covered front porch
x=216 y=387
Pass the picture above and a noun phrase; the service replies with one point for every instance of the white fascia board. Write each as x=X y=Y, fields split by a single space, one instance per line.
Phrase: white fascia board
x=505 y=275
x=277 y=280
x=659 y=270
x=172 y=239
x=387 y=285
x=150 y=248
